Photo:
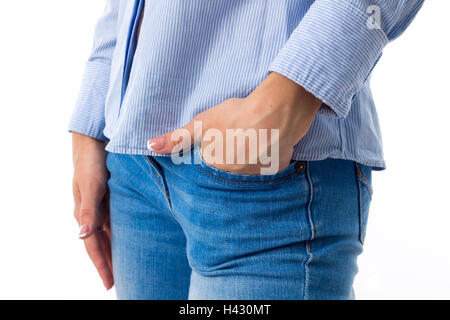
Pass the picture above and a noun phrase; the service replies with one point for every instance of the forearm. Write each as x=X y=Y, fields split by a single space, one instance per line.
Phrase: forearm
x=337 y=44
x=284 y=105
x=82 y=144
x=88 y=117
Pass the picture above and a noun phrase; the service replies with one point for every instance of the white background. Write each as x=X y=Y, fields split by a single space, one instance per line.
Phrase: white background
x=44 y=46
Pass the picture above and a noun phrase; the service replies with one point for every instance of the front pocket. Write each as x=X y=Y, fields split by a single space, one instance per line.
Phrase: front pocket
x=295 y=168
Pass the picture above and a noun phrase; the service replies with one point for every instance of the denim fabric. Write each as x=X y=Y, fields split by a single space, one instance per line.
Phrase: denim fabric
x=193 y=231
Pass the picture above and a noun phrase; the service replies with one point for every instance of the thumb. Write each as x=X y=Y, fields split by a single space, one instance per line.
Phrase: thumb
x=174 y=141
x=87 y=219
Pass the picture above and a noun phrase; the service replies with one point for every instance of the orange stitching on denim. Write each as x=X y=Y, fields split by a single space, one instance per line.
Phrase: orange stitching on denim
x=359 y=173
x=247 y=182
x=152 y=167
x=308 y=245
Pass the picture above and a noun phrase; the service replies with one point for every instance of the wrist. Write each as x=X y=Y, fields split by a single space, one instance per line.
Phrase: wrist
x=84 y=144
x=290 y=108
x=281 y=92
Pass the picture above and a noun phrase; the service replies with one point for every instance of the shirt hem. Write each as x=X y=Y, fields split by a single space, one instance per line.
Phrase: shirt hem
x=377 y=165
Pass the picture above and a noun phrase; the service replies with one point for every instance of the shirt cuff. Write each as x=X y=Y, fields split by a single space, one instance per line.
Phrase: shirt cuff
x=88 y=117
x=331 y=53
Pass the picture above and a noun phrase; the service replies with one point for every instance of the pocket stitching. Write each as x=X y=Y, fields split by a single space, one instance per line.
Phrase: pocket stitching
x=364 y=180
x=247 y=182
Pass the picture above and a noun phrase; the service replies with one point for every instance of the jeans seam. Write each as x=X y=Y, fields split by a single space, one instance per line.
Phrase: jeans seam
x=366 y=182
x=363 y=177
x=247 y=182
x=166 y=193
x=313 y=235
x=307 y=270
x=358 y=185
x=155 y=177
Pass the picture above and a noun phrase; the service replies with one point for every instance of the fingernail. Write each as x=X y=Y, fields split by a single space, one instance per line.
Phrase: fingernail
x=84 y=230
x=156 y=143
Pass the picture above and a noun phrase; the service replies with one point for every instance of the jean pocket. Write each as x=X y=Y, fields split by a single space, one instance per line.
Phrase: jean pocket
x=294 y=168
x=364 y=178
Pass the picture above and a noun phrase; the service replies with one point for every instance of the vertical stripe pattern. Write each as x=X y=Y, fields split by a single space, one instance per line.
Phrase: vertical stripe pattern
x=192 y=55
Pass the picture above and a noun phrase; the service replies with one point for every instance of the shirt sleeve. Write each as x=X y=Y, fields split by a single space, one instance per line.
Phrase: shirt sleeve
x=89 y=114
x=334 y=48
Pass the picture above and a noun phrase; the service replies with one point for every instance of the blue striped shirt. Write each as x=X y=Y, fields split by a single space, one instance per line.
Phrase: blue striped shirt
x=192 y=55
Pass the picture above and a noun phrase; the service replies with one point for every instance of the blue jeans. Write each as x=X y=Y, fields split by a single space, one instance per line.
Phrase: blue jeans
x=192 y=231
